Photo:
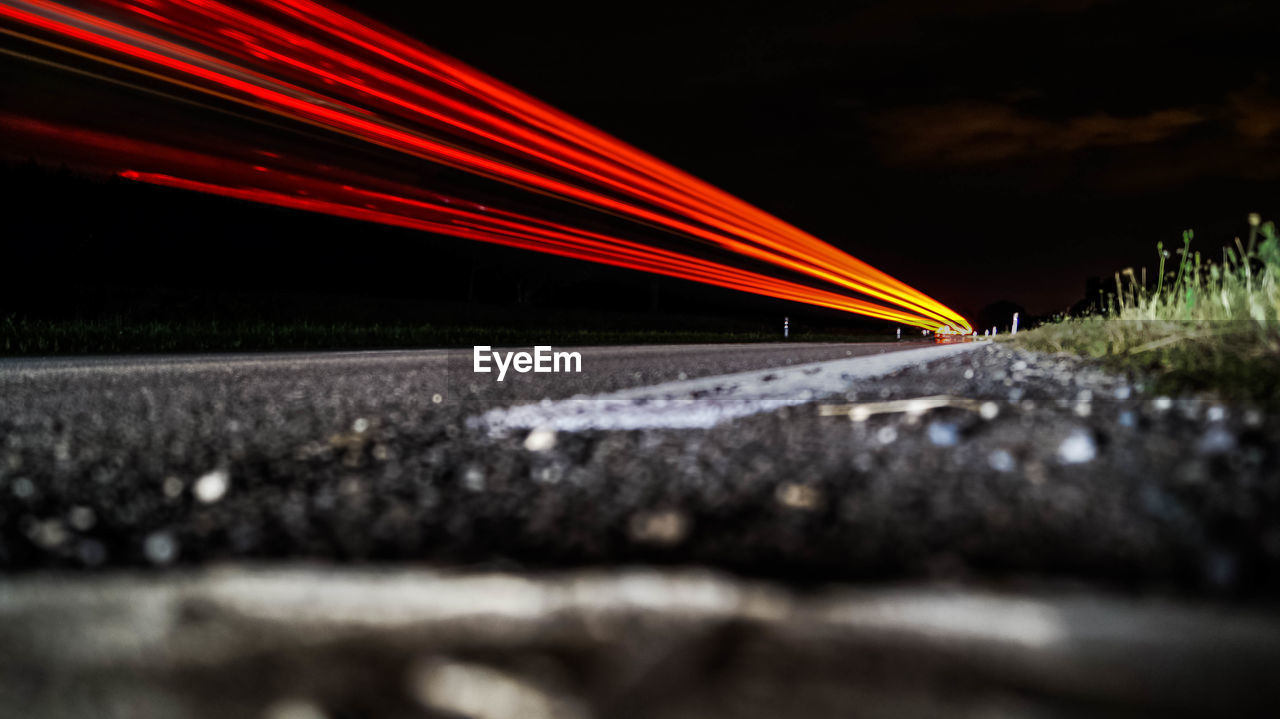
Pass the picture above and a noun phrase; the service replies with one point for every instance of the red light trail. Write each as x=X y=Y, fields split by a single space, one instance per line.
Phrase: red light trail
x=335 y=70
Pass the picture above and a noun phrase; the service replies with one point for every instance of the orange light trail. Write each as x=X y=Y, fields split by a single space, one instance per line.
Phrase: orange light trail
x=333 y=69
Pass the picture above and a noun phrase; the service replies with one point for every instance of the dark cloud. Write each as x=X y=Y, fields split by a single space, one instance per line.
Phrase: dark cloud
x=1238 y=138
x=975 y=132
x=1254 y=113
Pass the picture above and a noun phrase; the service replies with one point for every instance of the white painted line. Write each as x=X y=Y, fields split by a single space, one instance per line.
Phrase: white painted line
x=707 y=401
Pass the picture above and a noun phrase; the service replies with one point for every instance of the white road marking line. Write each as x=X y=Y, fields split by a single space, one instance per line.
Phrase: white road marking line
x=707 y=401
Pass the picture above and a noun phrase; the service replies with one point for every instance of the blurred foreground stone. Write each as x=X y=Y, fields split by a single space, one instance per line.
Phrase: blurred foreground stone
x=316 y=642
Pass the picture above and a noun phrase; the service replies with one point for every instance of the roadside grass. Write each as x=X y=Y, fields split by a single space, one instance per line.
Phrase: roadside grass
x=31 y=337
x=1208 y=324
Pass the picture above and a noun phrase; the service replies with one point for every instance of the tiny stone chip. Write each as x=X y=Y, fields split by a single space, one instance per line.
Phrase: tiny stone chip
x=1077 y=448
x=211 y=487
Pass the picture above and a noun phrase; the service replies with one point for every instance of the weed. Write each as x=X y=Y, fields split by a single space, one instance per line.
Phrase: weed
x=1207 y=325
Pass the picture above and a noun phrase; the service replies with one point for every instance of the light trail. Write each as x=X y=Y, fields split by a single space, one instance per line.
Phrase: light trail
x=531 y=237
x=395 y=204
x=309 y=63
x=537 y=147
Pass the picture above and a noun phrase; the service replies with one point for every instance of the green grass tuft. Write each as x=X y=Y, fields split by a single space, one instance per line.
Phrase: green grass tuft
x=1207 y=324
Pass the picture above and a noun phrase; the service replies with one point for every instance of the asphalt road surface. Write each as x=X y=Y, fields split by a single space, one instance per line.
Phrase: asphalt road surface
x=430 y=371
x=1066 y=491
x=743 y=457
x=142 y=449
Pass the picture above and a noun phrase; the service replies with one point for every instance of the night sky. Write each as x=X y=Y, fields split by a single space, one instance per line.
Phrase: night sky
x=980 y=150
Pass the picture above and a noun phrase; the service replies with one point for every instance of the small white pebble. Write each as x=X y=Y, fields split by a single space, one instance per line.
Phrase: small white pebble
x=360 y=426
x=350 y=487
x=886 y=435
x=1216 y=413
x=473 y=479
x=49 y=533
x=1001 y=461
x=1216 y=441
x=989 y=410
x=540 y=439
x=1019 y=366
x=968 y=374
x=23 y=488
x=798 y=496
x=172 y=487
x=665 y=527
x=1084 y=409
x=1162 y=404
x=864 y=463
x=943 y=434
x=160 y=548
x=859 y=413
x=1077 y=448
x=437 y=398
x=211 y=487
x=81 y=519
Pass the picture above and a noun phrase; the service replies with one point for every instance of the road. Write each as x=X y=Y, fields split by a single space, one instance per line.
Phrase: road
x=739 y=456
x=605 y=368
x=144 y=430
x=1044 y=496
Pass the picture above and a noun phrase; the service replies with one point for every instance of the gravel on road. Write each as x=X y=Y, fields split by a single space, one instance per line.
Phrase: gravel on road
x=1036 y=467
